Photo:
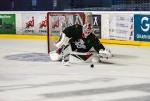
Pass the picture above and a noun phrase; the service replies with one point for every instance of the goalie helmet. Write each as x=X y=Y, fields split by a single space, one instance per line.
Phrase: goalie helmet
x=87 y=27
x=86 y=30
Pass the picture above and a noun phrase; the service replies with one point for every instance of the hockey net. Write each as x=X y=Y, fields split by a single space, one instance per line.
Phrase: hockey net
x=57 y=22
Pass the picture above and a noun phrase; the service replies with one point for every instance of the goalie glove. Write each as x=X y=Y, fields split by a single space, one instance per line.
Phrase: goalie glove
x=105 y=53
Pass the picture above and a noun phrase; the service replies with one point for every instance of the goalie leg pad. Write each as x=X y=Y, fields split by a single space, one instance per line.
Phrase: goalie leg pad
x=54 y=56
x=78 y=57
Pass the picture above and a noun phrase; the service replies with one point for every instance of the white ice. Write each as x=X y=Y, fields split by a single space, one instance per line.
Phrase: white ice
x=26 y=74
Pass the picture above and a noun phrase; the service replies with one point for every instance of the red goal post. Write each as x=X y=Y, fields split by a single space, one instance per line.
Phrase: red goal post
x=57 y=21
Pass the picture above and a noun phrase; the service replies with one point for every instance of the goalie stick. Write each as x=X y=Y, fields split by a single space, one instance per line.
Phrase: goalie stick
x=65 y=63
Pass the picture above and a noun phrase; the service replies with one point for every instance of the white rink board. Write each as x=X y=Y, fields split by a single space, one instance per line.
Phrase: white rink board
x=104 y=27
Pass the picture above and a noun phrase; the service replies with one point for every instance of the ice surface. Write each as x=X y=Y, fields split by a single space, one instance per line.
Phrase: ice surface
x=26 y=74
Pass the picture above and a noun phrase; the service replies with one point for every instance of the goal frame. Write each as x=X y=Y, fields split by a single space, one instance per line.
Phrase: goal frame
x=60 y=13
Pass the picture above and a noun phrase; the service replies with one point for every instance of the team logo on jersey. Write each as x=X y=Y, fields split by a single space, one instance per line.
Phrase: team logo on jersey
x=80 y=44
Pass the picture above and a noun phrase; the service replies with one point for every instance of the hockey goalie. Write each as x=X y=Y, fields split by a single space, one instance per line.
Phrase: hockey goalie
x=78 y=44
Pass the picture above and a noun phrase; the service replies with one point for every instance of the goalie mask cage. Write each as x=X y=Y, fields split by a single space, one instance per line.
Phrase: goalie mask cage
x=57 y=22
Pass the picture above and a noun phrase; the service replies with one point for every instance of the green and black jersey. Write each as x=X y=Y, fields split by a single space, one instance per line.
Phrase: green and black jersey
x=79 y=43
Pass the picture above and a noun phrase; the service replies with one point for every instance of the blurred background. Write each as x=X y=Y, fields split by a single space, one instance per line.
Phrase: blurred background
x=61 y=5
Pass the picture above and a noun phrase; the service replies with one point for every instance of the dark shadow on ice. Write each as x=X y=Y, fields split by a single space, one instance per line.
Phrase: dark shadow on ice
x=55 y=83
x=33 y=57
x=138 y=98
x=122 y=56
x=106 y=62
x=112 y=63
x=143 y=87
